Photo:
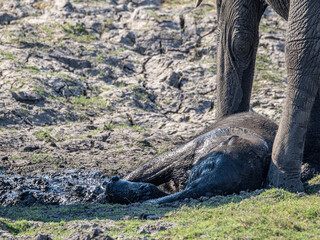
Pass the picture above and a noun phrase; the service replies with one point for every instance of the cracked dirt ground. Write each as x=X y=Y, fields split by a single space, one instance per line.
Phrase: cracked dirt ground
x=109 y=85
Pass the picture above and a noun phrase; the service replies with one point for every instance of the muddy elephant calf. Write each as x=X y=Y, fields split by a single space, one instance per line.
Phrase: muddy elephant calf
x=233 y=155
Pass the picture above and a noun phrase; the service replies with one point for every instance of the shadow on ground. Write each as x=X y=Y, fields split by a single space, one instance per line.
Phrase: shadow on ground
x=56 y=213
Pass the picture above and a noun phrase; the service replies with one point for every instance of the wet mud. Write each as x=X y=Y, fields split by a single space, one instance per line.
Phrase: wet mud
x=62 y=188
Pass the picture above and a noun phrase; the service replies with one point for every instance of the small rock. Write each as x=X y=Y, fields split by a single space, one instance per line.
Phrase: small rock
x=27 y=96
x=43 y=237
x=6 y=18
x=153 y=217
x=63 y=5
x=78 y=191
x=73 y=62
x=78 y=235
x=143 y=231
x=97 y=232
x=30 y=148
x=145 y=143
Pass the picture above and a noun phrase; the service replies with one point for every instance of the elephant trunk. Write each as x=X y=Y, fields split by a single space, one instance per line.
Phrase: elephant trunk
x=237 y=47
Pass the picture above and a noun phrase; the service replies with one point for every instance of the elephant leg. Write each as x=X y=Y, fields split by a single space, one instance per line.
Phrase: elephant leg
x=237 y=46
x=303 y=61
x=311 y=157
x=170 y=168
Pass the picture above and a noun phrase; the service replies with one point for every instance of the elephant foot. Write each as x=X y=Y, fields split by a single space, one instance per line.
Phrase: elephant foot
x=281 y=179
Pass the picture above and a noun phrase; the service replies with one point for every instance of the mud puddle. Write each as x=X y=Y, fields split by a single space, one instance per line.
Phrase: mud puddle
x=62 y=188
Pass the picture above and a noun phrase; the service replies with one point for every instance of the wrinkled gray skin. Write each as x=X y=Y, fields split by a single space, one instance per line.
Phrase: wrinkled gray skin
x=237 y=47
x=125 y=192
x=233 y=155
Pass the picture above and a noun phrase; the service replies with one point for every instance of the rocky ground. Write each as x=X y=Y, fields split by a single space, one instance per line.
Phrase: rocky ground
x=103 y=86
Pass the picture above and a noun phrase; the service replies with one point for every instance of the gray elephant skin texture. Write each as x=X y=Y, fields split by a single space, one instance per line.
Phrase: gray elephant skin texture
x=233 y=155
x=298 y=138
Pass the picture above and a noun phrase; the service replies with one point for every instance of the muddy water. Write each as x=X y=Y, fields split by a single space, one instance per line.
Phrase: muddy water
x=63 y=188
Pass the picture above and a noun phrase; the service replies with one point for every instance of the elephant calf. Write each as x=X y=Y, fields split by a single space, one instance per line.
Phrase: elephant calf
x=234 y=155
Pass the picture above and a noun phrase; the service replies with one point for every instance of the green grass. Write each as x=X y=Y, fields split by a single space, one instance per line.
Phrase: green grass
x=45 y=134
x=39 y=89
x=141 y=95
x=201 y=12
x=84 y=103
x=52 y=33
x=31 y=69
x=266 y=28
x=263 y=62
x=100 y=59
x=27 y=228
x=16 y=227
x=78 y=33
x=265 y=72
x=110 y=126
x=42 y=157
x=64 y=76
x=274 y=214
x=7 y=55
